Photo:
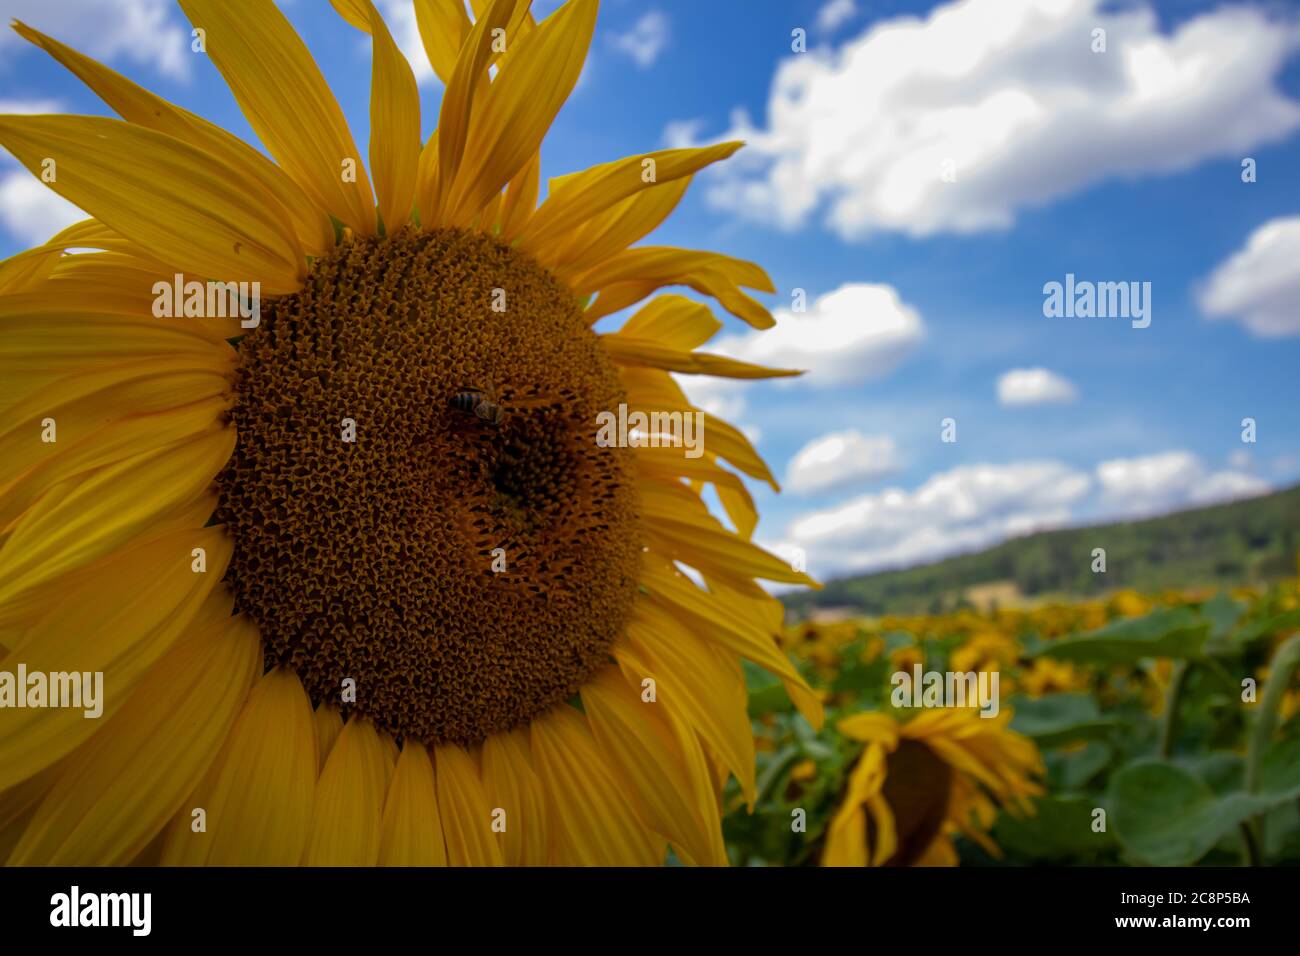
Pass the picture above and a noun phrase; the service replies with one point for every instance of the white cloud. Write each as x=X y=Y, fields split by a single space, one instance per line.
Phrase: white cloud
x=723 y=397
x=31 y=211
x=1167 y=481
x=1034 y=386
x=646 y=40
x=838 y=459
x=855 y=334
x=964 y=509
x=140 y=31
x=835 y=14
x=858 y=333
x=1010 y=92
x=973 y=507
x=1260 y=284
x=399 y=15
x=29 y=107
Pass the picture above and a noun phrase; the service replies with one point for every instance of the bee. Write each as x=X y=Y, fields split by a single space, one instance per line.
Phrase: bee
x=480 y=403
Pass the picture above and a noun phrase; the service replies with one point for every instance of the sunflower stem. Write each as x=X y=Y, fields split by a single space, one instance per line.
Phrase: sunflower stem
x=1279 y=677
x=1173 y=701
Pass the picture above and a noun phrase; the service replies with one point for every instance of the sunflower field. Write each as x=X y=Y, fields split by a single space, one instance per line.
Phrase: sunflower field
x=1138 y=730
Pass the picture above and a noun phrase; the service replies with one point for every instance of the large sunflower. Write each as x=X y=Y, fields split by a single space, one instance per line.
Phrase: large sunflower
x=340 y=620
x=917 y=783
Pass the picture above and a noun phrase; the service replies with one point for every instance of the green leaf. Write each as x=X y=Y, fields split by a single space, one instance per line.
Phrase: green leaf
x=1058 y=719
x=1176 y=633
x=1069 y=770
x=1164 y=815
x=1263 y=630
x=1060 y=829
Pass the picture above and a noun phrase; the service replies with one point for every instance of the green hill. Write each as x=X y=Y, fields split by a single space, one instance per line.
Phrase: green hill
x=1244 y=542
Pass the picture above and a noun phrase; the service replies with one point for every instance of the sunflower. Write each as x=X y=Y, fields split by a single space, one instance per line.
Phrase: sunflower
x=918 y=783
x=342 y=615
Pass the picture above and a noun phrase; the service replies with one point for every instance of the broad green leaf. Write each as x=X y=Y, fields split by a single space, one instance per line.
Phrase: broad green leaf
x=1165 y=815
x=1176 y=633
x=1061 y=828
x=1058 y=719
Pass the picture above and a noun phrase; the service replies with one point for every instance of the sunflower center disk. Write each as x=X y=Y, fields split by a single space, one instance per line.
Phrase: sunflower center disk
x=467 y=568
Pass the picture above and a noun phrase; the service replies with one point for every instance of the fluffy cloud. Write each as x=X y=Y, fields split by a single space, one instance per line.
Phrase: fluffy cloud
x=838 y=459
x=646 y=40
x=1034 y=386
x=972 y=507
x=140 y=31
x=858 y=333
x=1154 y=484
x=835 y=14
x=30 y=210
x=399 y=15
x=965 y=509
x=1010 y=93
x=855 y=334
x=1260 y=285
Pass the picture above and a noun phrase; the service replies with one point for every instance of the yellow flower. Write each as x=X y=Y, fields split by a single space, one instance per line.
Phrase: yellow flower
x=1047 y=676
x=986 y=651
x=1129 y=604
x=347 y=559
x=917 y=784
x=905 y=658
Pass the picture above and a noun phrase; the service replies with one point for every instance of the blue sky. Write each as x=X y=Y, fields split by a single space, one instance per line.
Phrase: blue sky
x=1116 y=166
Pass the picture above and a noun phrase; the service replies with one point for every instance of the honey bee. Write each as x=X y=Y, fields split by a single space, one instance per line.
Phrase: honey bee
x=480 y=402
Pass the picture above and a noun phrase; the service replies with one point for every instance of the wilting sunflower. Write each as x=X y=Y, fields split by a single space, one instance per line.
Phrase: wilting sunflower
x=918 y=783
x=362 y=584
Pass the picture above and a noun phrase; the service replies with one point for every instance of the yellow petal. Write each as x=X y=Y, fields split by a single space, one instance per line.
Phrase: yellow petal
x=257 y=796
x=614 y=229
x=394 y=116
x=701 y=683
x=84 y=519
x=464 y=90
x=520 y=199
x=674 y=321
x=697 y=538
x=580 y=197
x=619 y=295
x=508 y=124
x=285 y=99
x=511 y=784
x=652 y=390
x=594 y=825
x=718 y=619
x=464 y=809
x=443 y=26
x=137 y=105
x=708 y=273
x=27 y=269
x=329 y=724
x=349 y=802
x=626 y=350
x=127 y=783
x=411 y=833
x=175 y=201
x=662 y=771
x=116 y=441
x=118 y=616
